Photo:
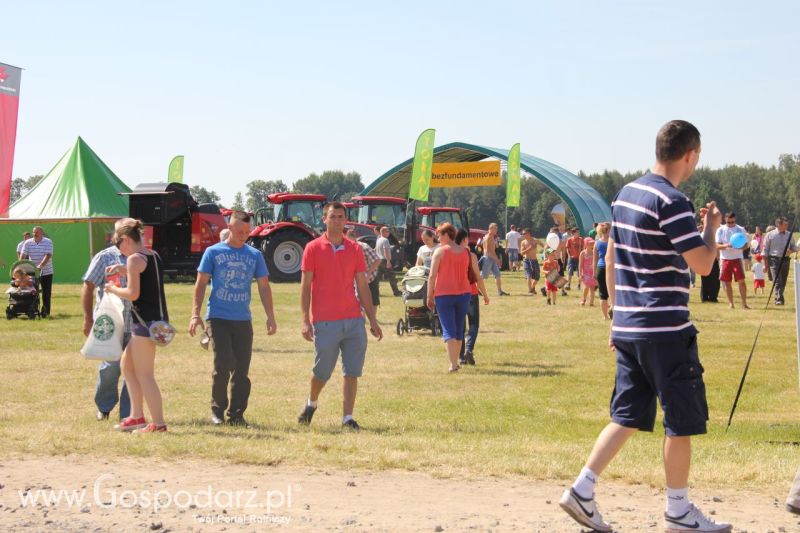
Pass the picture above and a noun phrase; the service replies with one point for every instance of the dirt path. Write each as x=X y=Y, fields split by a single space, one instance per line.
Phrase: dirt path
x=316 y=500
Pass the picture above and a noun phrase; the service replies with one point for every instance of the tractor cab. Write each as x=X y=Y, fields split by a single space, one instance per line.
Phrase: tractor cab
x=284 y=229
x=298 y=208
x=352 y=211
x=431 y=217
x=381 y=211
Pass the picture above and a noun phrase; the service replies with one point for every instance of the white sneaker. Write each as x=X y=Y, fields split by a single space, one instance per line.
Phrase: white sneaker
x=693 y=520
x=583 y=510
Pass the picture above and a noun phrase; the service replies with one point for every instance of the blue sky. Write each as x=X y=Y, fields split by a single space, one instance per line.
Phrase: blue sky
x=267 y=90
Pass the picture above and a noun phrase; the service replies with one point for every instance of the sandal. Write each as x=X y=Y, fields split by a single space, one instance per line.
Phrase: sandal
x=583 y=302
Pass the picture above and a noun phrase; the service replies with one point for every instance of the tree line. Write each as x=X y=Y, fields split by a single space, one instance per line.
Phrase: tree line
x=757 y=194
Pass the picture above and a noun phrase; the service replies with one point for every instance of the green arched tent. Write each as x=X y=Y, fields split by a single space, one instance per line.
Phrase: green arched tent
x=585 y=203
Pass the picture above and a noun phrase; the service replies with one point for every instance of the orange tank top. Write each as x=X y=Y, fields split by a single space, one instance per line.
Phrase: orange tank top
x=452 y=276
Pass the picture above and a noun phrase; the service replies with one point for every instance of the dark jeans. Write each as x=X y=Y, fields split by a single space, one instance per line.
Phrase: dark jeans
x=233 y=348
x=474 y=318
x=387 y=274
x=709 y=285
x=375 y=291
x=47 y=290
x=779 y=269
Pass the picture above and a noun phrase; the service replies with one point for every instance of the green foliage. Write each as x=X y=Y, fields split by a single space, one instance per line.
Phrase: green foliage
x=757 y=194
x=258 y=190
x=203 y=195
x=20 y=187
x=238 y=202
x=331 y=183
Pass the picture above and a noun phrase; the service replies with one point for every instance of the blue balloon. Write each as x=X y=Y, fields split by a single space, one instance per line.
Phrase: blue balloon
x=739 y=240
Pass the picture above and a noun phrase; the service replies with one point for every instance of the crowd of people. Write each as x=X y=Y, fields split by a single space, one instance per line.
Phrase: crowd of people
x=641 y=264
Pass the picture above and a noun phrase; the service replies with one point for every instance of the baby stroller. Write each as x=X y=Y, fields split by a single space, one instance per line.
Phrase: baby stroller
x=415 y=293
x=23 y=295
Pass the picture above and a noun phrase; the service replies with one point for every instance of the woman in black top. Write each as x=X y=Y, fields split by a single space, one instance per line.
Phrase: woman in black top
x=145 y=290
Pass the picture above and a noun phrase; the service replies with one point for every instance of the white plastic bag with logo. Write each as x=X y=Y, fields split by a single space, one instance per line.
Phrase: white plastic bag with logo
x=105 y=340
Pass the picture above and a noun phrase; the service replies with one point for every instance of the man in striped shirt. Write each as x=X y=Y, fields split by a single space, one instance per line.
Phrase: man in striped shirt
x=654 y=242
x=39 y=249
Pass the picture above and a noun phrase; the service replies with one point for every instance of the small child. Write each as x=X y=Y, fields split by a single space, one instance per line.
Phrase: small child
x=21 y=279
x=758 y=274
x=550 y=265
x=586 y=270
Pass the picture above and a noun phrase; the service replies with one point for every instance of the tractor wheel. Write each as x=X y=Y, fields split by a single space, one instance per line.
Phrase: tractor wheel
x=283 y=252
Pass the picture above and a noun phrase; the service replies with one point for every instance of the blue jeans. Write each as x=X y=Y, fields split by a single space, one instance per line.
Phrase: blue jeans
x=106 y=394
x=452 y=311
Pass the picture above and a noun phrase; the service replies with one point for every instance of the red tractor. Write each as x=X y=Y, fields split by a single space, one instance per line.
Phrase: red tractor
x=392 y=212
x=431 y=217
x=175 y=225
x=352 y=211
x=377 y=211
x=283 y=231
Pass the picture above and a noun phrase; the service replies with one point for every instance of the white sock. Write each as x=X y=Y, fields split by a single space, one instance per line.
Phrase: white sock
x=677 y=501
x=585 y=483
x=346 y=418
x=311 y=404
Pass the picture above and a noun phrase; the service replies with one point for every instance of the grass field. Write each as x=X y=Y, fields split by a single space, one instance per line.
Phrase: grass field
x=531 y=407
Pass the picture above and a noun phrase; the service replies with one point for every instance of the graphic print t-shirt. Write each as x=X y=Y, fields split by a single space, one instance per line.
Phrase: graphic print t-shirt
x=232 y=271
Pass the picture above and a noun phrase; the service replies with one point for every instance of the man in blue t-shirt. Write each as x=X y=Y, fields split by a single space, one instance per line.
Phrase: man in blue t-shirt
x=231 y=267
x=654 y=242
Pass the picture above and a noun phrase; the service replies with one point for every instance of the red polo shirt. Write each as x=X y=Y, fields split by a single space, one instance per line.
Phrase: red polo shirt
x=332 y=295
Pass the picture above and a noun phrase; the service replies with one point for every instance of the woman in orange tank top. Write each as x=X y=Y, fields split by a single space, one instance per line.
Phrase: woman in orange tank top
x=449 y=290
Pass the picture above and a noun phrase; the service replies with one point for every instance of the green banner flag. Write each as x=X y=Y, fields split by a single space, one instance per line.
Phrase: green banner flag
x=175 y=174
x=420 y=184
x=513 y=178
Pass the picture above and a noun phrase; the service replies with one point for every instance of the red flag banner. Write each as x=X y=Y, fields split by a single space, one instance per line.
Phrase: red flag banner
x=9 y=108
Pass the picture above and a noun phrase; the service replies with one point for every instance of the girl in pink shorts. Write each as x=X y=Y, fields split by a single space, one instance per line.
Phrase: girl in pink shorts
x=586 y=268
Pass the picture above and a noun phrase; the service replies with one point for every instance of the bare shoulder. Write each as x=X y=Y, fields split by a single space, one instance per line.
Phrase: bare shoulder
x=136 y=262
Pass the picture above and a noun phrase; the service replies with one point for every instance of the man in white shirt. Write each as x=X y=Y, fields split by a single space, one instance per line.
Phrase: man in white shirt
x=512 y=245
x=385 y=271
x=39 y=249
x=25 y=237
x=732 y=267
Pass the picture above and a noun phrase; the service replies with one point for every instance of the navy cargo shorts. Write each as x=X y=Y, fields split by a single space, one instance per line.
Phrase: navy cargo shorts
x=670 y=371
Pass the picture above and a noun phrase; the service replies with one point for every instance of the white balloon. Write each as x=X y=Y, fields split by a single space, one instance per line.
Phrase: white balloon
x=754 y=244
x=553 y=240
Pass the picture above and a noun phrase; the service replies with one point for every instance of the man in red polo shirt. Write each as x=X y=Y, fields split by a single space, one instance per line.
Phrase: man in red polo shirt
x=332 y=316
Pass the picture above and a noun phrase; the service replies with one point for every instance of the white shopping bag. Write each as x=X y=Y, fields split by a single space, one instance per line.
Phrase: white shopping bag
x=105 y=340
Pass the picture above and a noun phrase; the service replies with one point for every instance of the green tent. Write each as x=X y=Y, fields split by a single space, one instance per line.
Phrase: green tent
x=76 y=203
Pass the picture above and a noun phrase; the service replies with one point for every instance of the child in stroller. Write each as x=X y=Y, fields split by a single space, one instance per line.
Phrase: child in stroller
x=23 y=295
x=417 y=314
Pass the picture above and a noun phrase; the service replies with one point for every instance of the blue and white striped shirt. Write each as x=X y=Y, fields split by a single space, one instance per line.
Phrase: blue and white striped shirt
x=35 y=251
x=652 y=225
